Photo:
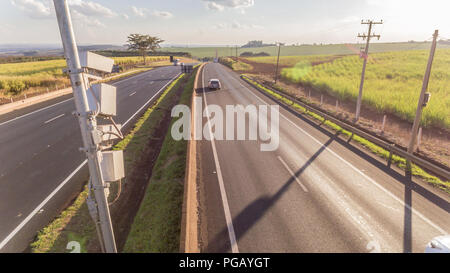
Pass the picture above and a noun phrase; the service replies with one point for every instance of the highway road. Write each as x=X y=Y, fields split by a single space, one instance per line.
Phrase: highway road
x=41 y=168
x=315 y=193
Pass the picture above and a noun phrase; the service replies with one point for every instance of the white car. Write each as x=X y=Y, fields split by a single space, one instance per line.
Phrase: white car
x=214 y=84
x=440 y=244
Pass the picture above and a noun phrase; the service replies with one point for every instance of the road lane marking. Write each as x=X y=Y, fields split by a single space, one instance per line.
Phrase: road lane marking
x=39 y=207
x=162 y=88
x=47 y=107
x=223 y=194
x=34 y=112
x=52 y=119
x=131 y=94
x=43 y=203
x=424 y=218
x=293 y=174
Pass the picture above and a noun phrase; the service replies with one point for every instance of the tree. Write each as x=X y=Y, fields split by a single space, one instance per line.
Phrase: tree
x=143 y=43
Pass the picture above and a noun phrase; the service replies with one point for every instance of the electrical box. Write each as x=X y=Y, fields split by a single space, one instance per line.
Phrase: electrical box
x=112 y=165
x=426 y=99
x=97 y=62
x=103 y=95
x=109 y=128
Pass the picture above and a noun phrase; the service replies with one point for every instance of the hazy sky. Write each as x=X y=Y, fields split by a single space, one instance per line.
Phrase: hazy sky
x=225 y=22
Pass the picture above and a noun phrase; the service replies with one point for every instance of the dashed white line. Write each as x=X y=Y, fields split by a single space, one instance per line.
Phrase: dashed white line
x=293 y=174
x=420 y=215
x=52 y=119
x=42 y=109
x=131 y=94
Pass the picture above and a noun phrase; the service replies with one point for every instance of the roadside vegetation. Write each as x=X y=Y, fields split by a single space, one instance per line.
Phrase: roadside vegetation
x=157 y=225
x=297 y=50
x=28 y=77
x=235 y=65
x=392 y=83
x=397 y=160
x=75 y=223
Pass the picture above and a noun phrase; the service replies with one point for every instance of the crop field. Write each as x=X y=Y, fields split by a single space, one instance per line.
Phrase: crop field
x=334 y=49
x=392 y=83
x=39 y=75
x=139 y=60
x=16 y=77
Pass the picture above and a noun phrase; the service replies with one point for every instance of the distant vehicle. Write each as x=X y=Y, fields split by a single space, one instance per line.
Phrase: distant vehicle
x=440 y=244
x=214 y=84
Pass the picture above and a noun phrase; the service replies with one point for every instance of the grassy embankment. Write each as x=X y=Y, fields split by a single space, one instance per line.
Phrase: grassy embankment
x=397 y=160
x=75 y=223
x=157 y=225
x=235 y=65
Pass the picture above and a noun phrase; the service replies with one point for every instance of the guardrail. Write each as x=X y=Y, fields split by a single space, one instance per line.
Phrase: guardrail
x=391 y=147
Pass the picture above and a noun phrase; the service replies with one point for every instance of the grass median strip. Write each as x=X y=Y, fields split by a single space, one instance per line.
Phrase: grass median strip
x=75 y=223
x=157 y=225
x=397 y=160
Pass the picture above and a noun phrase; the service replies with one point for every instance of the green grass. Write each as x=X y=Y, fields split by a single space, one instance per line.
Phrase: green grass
x=157 y=225
x=392 y=82
x=397 y=160
x=75 y=223
x=16 y=77
x=292 y=60
x=335 y=49
x=240 y=66
x=39 y=75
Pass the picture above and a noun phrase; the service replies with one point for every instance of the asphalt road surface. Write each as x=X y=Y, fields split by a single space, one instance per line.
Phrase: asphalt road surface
x=41 y=168
x=315 y=193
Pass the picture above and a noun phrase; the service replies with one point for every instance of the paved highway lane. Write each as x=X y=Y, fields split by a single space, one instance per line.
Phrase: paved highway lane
x=315 y=193
x=41 y=167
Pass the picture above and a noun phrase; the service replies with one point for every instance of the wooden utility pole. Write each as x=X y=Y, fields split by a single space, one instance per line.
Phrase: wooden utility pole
x=278 y=62
x=422 y=101
x=365 y=56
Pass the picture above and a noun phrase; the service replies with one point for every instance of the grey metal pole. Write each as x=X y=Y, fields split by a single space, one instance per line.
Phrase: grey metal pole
x=415 y=127
x=86 y=121
x=278 y=61
x=366 y=55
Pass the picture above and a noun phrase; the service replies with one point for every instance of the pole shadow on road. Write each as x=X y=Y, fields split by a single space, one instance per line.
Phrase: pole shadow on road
x=256 y=210
x=250 y=215
x=404 y=179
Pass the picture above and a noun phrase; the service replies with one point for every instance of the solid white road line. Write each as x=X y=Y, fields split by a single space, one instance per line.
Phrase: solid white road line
x=42 y=204
x=52 y=119
x=131 y=94
x=34 y=112
x=424 y=218
x=223 y=194
x=293 y=174
x=39 y=207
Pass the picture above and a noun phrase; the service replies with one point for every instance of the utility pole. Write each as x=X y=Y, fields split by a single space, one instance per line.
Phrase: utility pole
x=237 y=60
x=278 y=62
x=423 y=100
x=365 y=56
x=87 y=122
